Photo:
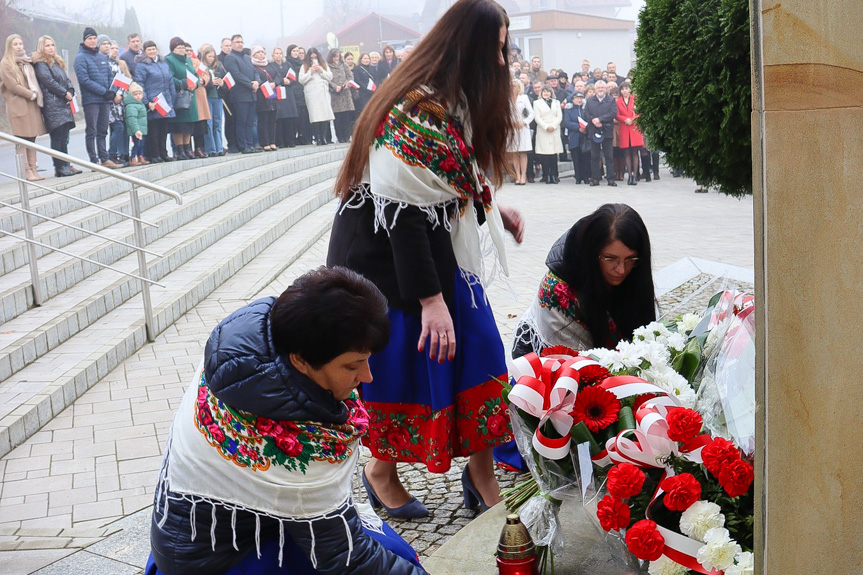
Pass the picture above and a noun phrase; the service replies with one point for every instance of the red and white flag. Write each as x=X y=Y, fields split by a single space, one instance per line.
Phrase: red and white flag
x=191 y=79
x=201 y=68
x=291 y=75
x=162 y=105
x=371 y=86
x=269 y=93
x=281 y=93
x=228 y=80
x=121 y=81
x=73 y=105
x=582 y=123
x=354 y=85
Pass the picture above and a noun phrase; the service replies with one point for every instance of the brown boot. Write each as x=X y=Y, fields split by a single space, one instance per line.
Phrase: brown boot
x=142 y=161
x=134 y=161
x=30 y=168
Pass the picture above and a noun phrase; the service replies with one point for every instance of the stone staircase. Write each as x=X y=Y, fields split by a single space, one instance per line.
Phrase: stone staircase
x=234 y=209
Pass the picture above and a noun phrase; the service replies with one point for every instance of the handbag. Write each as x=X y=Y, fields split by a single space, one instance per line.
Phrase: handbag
x=183 y=101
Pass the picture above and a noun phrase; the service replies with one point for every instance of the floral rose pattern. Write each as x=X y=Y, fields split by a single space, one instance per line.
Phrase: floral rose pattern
x=417 y=434
x=258 y=442
x=555 y=295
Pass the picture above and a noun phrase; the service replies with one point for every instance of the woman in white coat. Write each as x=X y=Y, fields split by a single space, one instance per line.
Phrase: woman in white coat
x=315 y=77
x=521 y=144
x=548 y=116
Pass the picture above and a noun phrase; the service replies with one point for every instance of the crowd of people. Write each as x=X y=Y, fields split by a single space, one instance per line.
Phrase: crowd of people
x=590 y=120
x=204 y=102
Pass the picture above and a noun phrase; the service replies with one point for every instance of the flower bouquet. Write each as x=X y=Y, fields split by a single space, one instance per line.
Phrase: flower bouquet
x=647 y=434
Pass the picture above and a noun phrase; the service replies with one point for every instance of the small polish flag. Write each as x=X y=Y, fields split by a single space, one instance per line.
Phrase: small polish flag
x=228 y=80
x=121 y=81
x=281 y=93
x=354 y=85
x=269 y=93
x=73 y=105
x=201 y=68
x=371 y=86
x=162 y=105
x=582 y=123
x=191 y=79
x=291 y=75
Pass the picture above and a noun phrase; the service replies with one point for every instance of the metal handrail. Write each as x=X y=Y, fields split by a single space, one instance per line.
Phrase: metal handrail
x=77 y=199
x=135 y=217
x=95 y=167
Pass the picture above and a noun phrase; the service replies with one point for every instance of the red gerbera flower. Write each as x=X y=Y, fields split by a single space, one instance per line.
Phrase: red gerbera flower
x=596 y=407
x=558 y=350
x=592 y=374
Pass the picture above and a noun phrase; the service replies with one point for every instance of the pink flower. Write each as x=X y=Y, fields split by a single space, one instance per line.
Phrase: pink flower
x=561 y=290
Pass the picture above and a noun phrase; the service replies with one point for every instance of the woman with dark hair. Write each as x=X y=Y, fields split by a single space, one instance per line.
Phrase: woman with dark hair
x=315 y=77
x=387 y=63
x=295 y=63
x=182 y=125
x=265 y=105
x=599 y=285
x=365 y=77
x=155 y=77
x=414 y=192
x=630 y=137
x=57 y=92
x=548 y=117
x=259 y=466
x=341 y=94
x=286 y=106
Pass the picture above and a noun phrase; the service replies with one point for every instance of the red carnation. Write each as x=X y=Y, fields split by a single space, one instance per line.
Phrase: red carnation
x=558 y=350
x=717 y=454
x=644 y=541
x=496 y=425
x=625 y=480
x=736 y=477
x=681 y=491
x=683 y=424
x=596 y=407
x=612 y=513
x=641 y=400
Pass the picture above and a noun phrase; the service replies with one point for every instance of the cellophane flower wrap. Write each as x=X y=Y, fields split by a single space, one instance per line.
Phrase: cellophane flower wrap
x=655 y=436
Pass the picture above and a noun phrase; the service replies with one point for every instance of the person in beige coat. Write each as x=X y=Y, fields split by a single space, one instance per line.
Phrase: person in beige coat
x=548 y=116
x=315 y=76
x=20 y=90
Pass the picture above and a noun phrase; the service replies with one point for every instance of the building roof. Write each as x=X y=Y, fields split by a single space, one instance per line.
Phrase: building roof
x=558 y=20
x=316 y=32
x=408 y=33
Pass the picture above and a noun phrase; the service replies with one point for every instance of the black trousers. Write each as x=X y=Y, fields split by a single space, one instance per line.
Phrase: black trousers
x=580 y=164
x=60 y=143
x=267 y=128
x=157 y=135
x=322 y=132
x=343 y=125
x=286 y=132
x=230 y=130
x=198 y=131
x=304 y=126
x=549 y=166
x=605 y=150
x=96 y=117
x=244 y=117
x=649 y=162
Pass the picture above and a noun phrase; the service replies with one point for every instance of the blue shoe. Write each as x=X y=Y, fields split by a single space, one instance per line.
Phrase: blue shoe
x=413 y=509
x=472 y=498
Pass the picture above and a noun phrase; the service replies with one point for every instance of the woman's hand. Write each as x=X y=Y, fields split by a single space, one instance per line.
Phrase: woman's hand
x=68 y=97
x=437 y=326
x=549 y=129
x=512 y=222
x=338 y=89
x=629 y=121
x=118 y=98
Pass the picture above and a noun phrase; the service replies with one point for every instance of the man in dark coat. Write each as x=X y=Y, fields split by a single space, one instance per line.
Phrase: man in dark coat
x=94 y=78
x=133 y=50
x=600 y=112
x=242 y=95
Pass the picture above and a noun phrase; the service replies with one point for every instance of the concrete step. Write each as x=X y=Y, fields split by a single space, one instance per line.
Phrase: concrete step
x=43 y=389
x=201 y=192
x=39 y=330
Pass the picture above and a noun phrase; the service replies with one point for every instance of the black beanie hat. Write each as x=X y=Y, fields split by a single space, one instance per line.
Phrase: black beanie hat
x=89 y=32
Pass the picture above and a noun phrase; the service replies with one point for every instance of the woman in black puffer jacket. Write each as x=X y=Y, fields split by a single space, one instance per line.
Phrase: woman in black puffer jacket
x=57 y=92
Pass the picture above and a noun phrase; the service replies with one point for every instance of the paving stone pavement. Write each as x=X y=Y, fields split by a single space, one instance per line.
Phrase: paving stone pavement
x=75 y=497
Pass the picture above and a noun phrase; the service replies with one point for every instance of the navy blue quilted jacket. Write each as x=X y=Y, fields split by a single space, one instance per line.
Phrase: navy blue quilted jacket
x=94 y=75
x=243 y=370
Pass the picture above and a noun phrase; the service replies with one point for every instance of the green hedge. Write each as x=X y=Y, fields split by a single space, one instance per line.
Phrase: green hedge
x=692 y=82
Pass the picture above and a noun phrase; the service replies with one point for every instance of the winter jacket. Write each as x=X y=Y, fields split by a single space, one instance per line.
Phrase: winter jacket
x=546 y=116
x=286 y=108
x=136 y=115
x=94 y=76
x=317 y=88
x=239 y=65
x=179 y=66
x=342 y=101
x=630 y=136
x=131 y=59
x=54 y=82
x=606 y=111
x=118 y=110
x=243 y=371
x=262 y=103
x=155 y=78
x=296 y=87
x=571 y=114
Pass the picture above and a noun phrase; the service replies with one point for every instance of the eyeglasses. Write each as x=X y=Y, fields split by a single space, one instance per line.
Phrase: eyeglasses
x=613 y=261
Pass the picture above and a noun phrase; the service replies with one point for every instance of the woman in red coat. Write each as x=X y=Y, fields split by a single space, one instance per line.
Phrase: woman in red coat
x=631 y=139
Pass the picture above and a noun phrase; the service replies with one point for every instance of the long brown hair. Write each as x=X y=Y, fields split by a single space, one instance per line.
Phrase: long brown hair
x=458 y=60
x=307 y=62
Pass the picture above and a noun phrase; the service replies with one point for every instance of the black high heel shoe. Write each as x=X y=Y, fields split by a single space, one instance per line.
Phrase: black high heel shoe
x=411 y=510
x=472 y=498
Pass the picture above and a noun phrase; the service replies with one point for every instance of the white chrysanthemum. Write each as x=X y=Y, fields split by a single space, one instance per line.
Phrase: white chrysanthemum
x=681 y=389
x=608 y=358
x=701 y=517
x=676 y=341
x=719 y=550
x=665 y=566
x=688 y=322
x=642 y=333
x=745 y=565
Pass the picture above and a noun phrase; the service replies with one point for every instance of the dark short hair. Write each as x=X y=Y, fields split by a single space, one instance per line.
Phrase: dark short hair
x=327 y=312
x=132 y=36
x=235 y=36
x=148 y=44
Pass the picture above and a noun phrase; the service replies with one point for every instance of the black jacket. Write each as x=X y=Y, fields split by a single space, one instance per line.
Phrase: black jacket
x=296 y=88
x=286 y=108
x=54 y=83
x=239 y=65
x=362 y=75
x=606 y=111
x=243 y=370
